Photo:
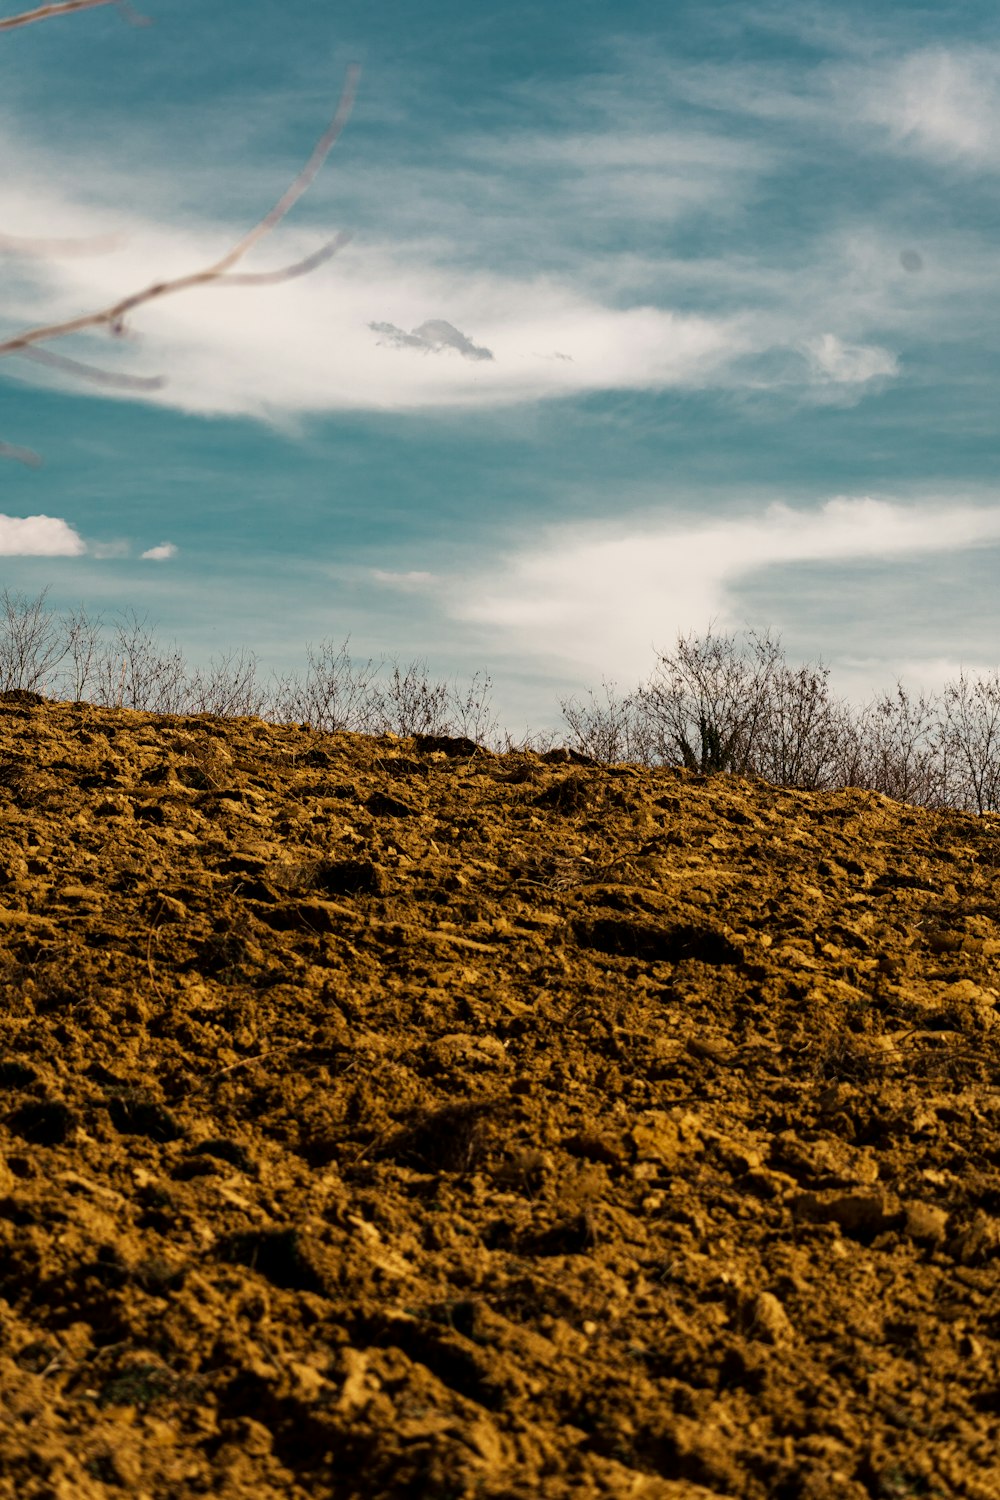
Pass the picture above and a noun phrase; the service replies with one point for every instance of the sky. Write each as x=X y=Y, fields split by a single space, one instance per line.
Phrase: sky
x=646 y=319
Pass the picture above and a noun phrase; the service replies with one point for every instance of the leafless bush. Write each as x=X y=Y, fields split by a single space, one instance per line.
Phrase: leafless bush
x=617 y=729
x=716 y=703
x=229 y=687
x=971 y=740
x=334 y=695
x=83 y=637
x=713 y=704
x=895 y=745
x=32 y=646
x=472 y=713
x=409 y=702
x=800 y=727
x=531 y=742
x=132 y=671
x=706 y=701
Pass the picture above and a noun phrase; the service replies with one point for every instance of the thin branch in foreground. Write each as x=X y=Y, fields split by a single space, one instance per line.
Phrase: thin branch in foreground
x=113 y=317
x=288 y=273
x=94 y=373
x=45 y=12
x=20 y=455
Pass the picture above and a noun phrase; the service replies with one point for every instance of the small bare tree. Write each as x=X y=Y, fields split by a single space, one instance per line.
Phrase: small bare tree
x=32 y=646
x=707 y=699
x=799 y=727
x=971 y=739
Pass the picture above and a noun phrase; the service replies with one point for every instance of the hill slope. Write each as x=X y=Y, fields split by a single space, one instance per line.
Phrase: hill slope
x=380 y=1118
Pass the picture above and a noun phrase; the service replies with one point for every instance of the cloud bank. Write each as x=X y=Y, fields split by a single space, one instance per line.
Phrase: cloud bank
x=603 y=598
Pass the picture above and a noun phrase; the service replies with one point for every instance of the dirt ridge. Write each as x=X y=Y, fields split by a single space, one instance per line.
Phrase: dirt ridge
x=391 y=1118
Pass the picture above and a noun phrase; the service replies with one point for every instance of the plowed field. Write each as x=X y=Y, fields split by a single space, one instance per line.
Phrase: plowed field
x=386 y=1118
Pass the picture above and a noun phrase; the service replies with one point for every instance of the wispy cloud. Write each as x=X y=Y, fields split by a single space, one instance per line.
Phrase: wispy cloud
x=413 y=579
x=938 y=102
x=849 y=364
x=39 y=536
x=603 y=597
x=162 y=552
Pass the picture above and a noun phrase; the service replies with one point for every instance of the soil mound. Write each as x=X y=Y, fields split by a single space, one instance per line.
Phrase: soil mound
x=387 y=1118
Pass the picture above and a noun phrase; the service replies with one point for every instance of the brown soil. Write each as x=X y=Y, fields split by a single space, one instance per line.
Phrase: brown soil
x=384 y=1118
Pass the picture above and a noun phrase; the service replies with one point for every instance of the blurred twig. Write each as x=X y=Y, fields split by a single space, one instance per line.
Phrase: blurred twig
x=114 y=317
x=62 y=8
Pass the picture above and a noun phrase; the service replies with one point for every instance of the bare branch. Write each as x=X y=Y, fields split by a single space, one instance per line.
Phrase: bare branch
x=289 y=198
x=20 y=455
x=113 y=317
x=45 y=12
x=288 y=273
x=93 y=372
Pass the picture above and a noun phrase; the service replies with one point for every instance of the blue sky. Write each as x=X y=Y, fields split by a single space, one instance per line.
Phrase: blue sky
x=650 y=316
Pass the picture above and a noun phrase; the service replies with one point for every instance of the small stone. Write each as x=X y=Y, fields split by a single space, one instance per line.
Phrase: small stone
x=977 y=1241
x=708 y=1050
x=764 y=1318
x=926 y=1223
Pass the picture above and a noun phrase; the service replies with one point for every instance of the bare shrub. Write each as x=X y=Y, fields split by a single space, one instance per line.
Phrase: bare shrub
x=472 y=713
x=229 y=687
x=83 y=637
x=409 y=702
x=799 y=730
x=335 y=694
x=617 y=729
x=532 y=742
x=706 y=700
x=133 y=672
x=897 y=748
x=32 y=645
x=970 y=735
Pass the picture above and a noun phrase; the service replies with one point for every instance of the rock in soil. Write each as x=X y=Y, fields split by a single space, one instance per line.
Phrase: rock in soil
x=387 y=1118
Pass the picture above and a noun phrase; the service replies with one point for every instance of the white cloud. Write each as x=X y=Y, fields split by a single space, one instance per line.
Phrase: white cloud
x=160 y=553
x=603 y=597
x=849 y=364
x=39 y=536
x=307 y=346
x=338 y=339
x=939 y=102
